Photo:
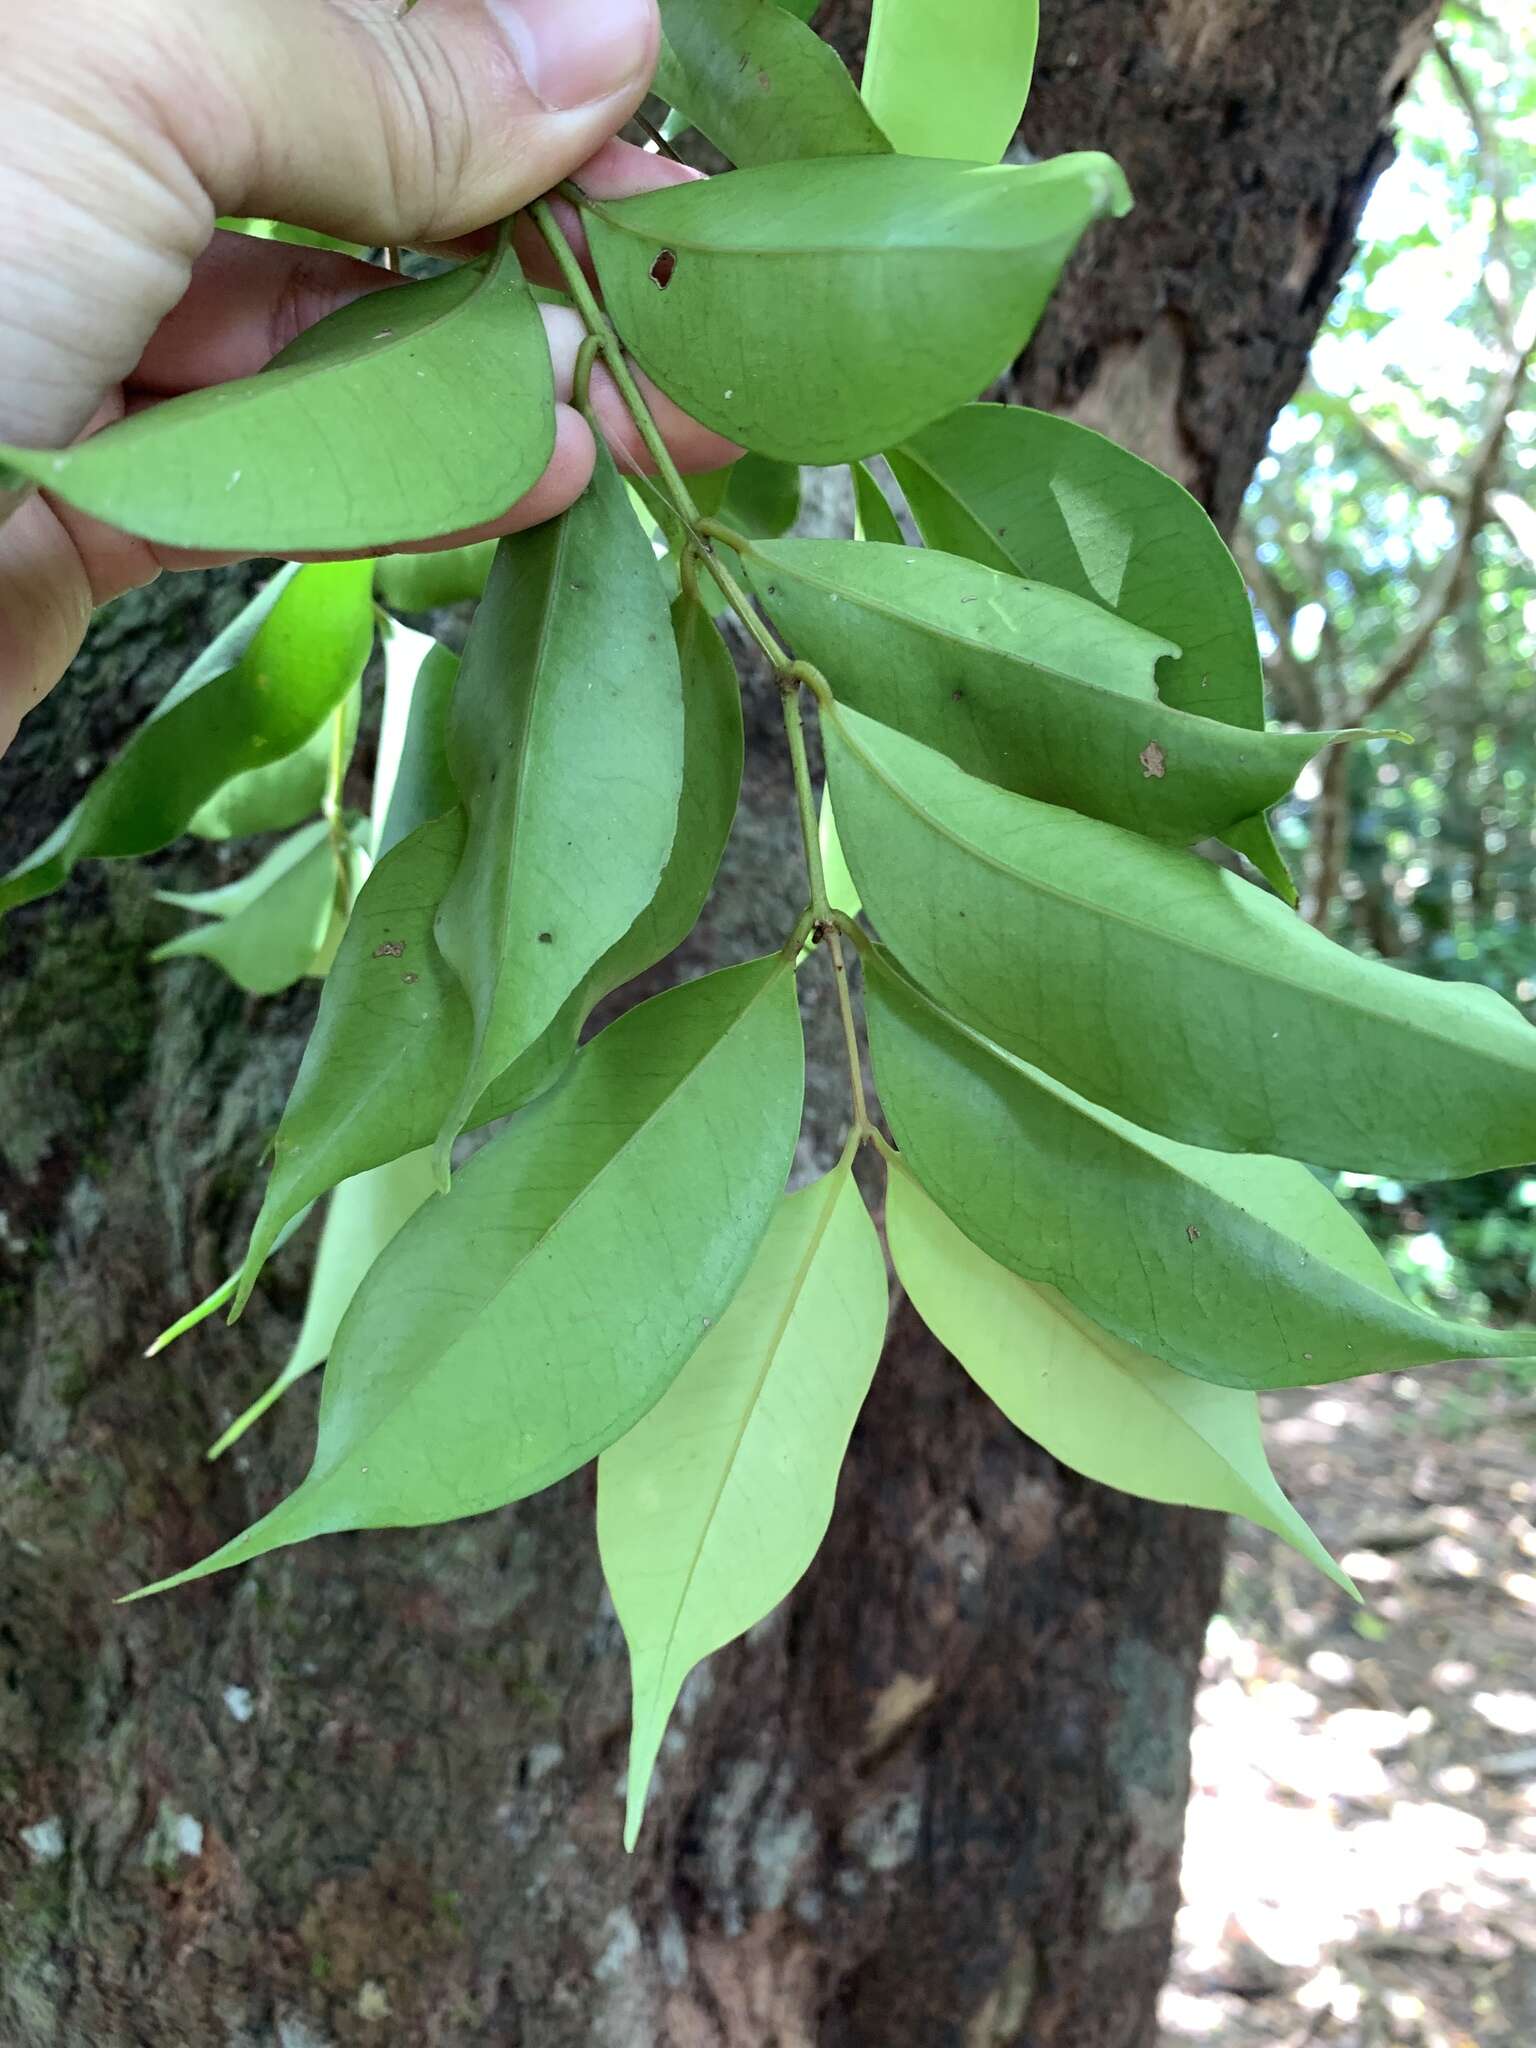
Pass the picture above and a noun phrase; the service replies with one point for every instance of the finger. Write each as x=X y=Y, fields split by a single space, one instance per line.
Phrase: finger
x=386 y=126
x=129 y=124
x=249 y=299
x=57 y=565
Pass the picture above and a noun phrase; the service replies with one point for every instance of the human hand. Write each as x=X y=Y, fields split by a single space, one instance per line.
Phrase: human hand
x=128 y=126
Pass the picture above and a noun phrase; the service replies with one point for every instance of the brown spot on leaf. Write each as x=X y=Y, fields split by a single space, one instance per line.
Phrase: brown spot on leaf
x=410 y=980
x=392 y=949
x=546 y=938
x=664 y=269
x=1192 y=1234
x=1154 y=762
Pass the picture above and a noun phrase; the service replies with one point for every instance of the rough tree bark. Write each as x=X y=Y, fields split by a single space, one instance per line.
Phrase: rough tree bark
x=367 y=1791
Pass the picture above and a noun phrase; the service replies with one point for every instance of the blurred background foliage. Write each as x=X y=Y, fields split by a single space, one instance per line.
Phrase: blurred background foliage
x=1390 y=542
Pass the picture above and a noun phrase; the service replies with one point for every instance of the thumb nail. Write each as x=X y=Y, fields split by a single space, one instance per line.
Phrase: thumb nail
x=573 y=55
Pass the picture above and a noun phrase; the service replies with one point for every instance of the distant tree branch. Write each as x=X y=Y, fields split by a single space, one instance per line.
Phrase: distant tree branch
x=1292 y=676
x=1448 y=582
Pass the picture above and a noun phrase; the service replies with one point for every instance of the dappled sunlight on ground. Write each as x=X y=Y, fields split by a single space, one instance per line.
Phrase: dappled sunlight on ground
x=1361 y=1861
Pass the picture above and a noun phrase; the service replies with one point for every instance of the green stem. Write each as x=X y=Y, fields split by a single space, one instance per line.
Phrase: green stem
x=791 y=675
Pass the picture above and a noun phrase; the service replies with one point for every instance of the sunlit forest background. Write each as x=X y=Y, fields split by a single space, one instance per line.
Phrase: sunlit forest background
x=1361 y=1867
x=1390 y=540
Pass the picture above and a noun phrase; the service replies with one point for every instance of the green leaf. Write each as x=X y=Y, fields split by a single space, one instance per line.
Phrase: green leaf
x=801 y=9
x=762 y=498
x=278 y=798
x=269 y=927
x=1099 y=1406
x=842 y=889
x=364 y=1216
x=1167 y=989
x=759 y=84
x=393 y=1033
x=821 y=311
x=873 y=517
x=566 y=743
x=427 y=583
x=221 y=1296
x=412 y=783
x=371 y=429
x=1242 y=1271
x=951 y=81
x=1051 y=500
x=262 y=690
x=281 y=231
x=516 y=1328
x=1021 y=684
x=389 y=1044
x=711 y=1509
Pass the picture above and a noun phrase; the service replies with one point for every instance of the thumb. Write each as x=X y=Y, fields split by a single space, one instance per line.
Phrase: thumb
x=127 y=125
x=383 y=124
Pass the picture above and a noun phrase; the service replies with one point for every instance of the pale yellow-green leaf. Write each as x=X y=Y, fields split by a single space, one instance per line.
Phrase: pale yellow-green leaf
x=710 y=1511
x=365 y=1215
x=950 y=77
x=1111 y=1412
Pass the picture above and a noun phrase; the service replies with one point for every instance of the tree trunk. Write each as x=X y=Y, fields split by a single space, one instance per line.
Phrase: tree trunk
x=368 y=1791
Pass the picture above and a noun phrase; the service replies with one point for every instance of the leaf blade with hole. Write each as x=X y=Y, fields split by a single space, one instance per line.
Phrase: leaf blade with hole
x=818 y=312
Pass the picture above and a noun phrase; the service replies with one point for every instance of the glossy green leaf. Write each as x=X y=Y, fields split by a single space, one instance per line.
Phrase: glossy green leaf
x=268 y=928
x=258 y=694
x=872 y=514
x=364 y=1216
x=566 y=743
x=759 y=84
x=801 y=9
x=821 y=311
x=711 y=1509
x=278 y=798
x=412 y=782
x=428 y=582
x=393 y=1033
x=951 y=80
x=1242 y=1271
x=517 y=1327
x=1051 y=500
x=1099 y=1406
x=1167 y=989
x=1020 y=683
x=371 y=429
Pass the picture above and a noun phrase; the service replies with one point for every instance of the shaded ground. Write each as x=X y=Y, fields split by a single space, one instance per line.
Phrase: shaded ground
x=1361 y=1864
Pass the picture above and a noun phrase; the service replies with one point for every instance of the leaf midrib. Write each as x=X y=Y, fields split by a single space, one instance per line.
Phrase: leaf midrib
x=1187 y=945
x=439 y=1359
x=838 y=1181
x=1417 y=1320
